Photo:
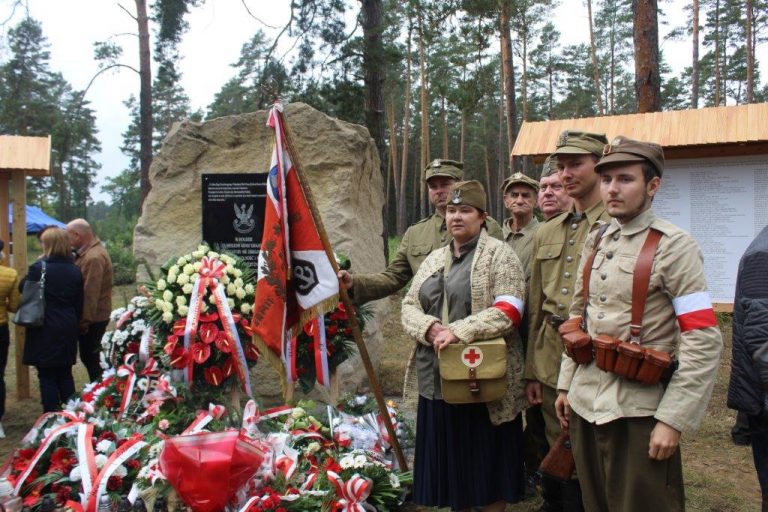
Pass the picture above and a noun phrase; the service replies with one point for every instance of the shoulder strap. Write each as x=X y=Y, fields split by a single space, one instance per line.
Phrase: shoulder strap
x=446 y=268
x=640 y=282
x=587 y=273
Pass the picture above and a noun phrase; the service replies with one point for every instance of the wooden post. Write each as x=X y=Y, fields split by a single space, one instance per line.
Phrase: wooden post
x=350 y=308
x=5 y=232
x=19 y=195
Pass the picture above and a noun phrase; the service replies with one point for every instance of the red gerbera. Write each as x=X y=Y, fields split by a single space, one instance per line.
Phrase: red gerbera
x=62 y=459
x=22 y=459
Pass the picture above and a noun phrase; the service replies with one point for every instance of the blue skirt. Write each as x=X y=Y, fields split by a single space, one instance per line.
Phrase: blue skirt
x=463 y=460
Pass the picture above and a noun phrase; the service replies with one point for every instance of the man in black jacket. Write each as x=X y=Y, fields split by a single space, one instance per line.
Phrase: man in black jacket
x=748 y=389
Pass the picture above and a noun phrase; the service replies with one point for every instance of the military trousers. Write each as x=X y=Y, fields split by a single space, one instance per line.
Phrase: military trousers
x=615 y=472
x=551 y=423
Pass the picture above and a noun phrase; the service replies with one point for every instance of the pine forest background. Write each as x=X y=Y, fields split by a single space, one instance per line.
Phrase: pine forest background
x=429 y=78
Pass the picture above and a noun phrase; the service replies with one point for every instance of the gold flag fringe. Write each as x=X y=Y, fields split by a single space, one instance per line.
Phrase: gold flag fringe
x=275 y=362
x=322 y=308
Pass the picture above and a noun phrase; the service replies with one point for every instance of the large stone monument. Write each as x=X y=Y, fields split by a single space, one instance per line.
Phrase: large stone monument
x=342 y=167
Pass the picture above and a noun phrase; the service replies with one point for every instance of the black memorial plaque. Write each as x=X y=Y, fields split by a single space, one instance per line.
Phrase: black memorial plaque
x=233 y=213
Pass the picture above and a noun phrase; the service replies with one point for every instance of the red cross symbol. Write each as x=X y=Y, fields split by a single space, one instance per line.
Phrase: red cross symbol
x=471 y=356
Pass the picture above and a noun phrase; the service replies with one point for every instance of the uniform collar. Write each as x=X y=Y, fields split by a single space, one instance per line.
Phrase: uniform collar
x=636 y=225
x=592 y=213
x=528 y=228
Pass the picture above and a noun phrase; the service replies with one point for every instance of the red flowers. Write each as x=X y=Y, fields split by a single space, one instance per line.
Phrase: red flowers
x=213 y=375
x=62 y=460
x=200 y=352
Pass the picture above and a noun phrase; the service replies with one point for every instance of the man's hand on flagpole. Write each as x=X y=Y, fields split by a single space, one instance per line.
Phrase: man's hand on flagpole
x=345 y=279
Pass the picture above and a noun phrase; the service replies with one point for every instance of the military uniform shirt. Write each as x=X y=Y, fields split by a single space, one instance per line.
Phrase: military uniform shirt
x=678 y=314
x=458 y=288
x=521 y=242
x=418 y=241
x=556 y=251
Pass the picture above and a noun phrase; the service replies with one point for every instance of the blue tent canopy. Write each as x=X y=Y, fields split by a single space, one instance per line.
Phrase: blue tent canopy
x=37 y=219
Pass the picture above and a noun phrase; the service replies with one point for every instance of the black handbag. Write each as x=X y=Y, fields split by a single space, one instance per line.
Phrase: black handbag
x=31 y=312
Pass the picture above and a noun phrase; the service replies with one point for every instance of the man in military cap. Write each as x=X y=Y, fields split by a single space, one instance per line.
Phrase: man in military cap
x=552 y=197
x=520 y=199
x=624 y=433
x=418 y=241
x=556 y=251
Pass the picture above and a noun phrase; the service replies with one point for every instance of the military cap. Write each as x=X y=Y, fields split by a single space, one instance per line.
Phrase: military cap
x=442 y=167
x=626 y=151
x=469 y=193
x=519 y=179
x=550 y=166
x=573 y=142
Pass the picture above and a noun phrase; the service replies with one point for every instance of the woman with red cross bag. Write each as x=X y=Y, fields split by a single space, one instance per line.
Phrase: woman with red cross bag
x=469 y=454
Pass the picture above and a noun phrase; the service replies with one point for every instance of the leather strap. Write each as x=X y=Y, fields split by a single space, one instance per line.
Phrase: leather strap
x=587 y=272
x=640 y=282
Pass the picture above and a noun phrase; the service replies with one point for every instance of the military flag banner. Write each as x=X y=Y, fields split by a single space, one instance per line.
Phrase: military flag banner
x=296 y=281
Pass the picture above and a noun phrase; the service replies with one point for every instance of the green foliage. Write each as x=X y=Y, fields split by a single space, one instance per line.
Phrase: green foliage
x=116 y=231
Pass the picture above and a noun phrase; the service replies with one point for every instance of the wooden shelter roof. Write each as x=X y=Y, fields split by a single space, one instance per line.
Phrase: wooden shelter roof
x=716 y=131
x=32 y=155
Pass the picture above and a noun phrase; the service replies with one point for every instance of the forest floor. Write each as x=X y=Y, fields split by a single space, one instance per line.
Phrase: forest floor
x=719 y=476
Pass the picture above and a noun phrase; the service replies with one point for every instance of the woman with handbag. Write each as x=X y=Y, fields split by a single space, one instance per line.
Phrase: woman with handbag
x=52 y=347
x=469 y=454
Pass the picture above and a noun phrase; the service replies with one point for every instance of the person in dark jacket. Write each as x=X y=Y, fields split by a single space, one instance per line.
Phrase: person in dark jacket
x=748 y=388
x=52 y=348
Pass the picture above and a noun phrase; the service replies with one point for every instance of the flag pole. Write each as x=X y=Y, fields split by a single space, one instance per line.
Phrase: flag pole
x=362 y=349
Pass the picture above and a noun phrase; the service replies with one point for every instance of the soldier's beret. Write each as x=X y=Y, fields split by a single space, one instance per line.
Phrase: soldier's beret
x=550 y=166
x=469 y=193
x=573 y=142
x=446 y=168
x=519 y=179
x=623 y=150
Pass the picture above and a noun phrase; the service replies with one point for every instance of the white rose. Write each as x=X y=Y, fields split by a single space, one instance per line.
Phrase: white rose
x=231 y=303
x=197 y=266
x=168 y=295
x=171 y=278
x=121 y=471
x=313 y=447
x=182 y=279
x=104 y=446
x=212 y=299
x=181 y=300
x=74 y=475
x=230 y=269
x=194 y=277
x=202 y=248
x=174 y=269
x=168 y=317
x=183 y=310
x=204 y=307
x=167 y=307
x=249 y=289
x=181 y=261
x=238 y=273
x=240 y=293
x=198 y=254
x=231 y=289
x=239 y=282
x=187 y=288
x=245 y=308
x=189 y=269
x=161 y=284
x=228 y=260
x=159 y=304
x=213 y=254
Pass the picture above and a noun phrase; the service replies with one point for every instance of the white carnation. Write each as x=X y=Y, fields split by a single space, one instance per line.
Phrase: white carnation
x=161 y=284
x=74 y=475
x=100 y=459
x=120 y=471
x=104 y=446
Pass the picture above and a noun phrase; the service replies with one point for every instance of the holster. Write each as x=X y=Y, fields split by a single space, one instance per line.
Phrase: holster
x=559 y=463
x=578 y=346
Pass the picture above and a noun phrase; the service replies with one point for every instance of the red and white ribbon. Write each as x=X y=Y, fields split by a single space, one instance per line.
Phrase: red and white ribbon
x=203 y=418
x=287 y=462
x=321 y=351
x=230 y=330
x=120 y=455
x=352 y=493
x=86 y=457
x=57 y=432
x=289 y=356
x=694 y=311
x=146 y=336
x=128 y=372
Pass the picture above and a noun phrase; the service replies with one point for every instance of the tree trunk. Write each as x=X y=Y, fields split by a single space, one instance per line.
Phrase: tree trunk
x=393 y=178
x=424 y=117
x=463 y=132
x=373 y=79
x=717 y=53
x=500 y=167
x=508 y=81
x=444 y=114
x=750 y=52
x=524 y=80
x=695 y=60
x=646 y=35
x=145 y=100
x=595 y=68
x=401 y=209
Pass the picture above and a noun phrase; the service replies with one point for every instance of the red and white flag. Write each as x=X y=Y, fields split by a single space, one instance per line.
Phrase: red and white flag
x=296 y=281
x=694 y=311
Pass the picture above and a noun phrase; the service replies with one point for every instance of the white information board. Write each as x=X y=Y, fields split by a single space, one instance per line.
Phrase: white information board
x=723 y=203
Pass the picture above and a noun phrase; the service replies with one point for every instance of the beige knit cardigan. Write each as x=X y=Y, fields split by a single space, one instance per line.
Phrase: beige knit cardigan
x=496 y=270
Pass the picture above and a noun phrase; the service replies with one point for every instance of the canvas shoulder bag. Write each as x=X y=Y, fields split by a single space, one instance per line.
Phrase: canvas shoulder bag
x=471 y=372
x=31 y=312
